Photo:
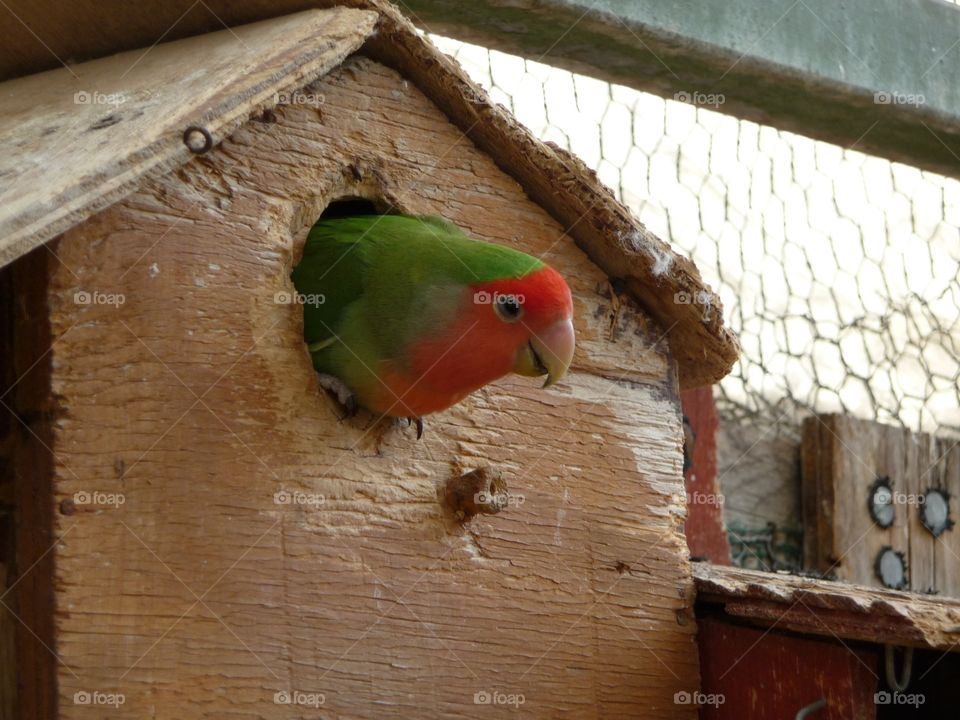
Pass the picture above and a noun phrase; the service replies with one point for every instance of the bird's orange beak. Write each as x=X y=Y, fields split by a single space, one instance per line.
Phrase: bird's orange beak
x=548 y=353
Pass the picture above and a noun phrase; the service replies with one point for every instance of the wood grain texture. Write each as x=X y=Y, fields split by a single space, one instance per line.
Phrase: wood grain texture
x=947 y=547
x=830 y=608
x=705 y=531
x=771 y=675
x=80 y=138
x=29 y=411
x=842 y=458
x=201 y=596
x=934 y=561
x=851 y=456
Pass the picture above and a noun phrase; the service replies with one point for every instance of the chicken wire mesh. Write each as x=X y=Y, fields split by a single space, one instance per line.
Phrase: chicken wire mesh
x=838 y=271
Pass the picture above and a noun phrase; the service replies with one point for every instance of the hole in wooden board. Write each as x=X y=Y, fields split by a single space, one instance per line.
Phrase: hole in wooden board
x=350 y=207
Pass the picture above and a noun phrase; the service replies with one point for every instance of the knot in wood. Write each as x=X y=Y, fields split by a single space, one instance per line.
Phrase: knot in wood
x=479 y=492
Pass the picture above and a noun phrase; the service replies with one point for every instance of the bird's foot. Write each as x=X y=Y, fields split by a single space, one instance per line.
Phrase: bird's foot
x=419 y=424
x=336 y=387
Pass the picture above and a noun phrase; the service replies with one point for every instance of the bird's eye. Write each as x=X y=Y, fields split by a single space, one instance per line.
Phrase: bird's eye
x=508 y=307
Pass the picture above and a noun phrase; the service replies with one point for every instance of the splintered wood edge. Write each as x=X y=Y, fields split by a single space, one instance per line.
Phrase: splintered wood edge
x=668 y=285
x=830 y=608
x=334 y=34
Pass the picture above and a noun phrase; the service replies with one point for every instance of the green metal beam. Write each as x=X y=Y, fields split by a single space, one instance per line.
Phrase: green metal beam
x=879 y=75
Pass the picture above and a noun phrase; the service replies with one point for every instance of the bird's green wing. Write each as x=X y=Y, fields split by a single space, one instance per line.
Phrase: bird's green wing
x=329 y=277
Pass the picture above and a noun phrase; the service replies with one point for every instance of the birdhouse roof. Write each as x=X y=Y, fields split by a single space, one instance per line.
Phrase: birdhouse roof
x=73 y=158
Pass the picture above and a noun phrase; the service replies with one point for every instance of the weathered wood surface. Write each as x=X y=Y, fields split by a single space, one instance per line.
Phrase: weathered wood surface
x=842 y=458
x=760 y=674
x=77 y=139
x=200 y=596
x=831 y=608
x=28 y=408
x=705 y=531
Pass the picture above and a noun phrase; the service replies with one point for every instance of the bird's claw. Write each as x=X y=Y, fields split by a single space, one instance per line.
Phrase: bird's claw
x=336 y=387
x=419 y=423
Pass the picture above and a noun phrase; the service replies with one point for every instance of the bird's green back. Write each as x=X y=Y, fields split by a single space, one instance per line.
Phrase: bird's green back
x=391 y=271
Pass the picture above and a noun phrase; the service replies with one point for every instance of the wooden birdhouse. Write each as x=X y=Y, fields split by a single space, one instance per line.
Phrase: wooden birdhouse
x=197 y=532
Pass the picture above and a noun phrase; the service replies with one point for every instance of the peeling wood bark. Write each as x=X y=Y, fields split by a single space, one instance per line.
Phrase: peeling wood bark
x=834 y=609
x=194 y=398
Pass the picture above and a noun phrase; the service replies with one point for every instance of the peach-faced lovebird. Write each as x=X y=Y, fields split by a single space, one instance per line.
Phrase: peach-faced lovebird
x=406 y=316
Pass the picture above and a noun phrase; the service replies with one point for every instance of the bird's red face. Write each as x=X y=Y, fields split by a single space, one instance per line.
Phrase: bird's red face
x=530 y=321
x=522 y=325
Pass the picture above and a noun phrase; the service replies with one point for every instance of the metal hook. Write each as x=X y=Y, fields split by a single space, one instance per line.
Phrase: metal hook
x=812 y=708
x=898 y=684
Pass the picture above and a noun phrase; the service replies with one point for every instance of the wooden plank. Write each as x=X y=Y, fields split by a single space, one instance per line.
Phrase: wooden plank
x=29 y=410
x=830 y=608
x=80 y=138
x=811 y=67
x=706 y=535
x=9 y=439
x=771 y=675
x=811 y=449
x=579 y=599
x=947 y=546
x=921 y=472
x=843 y=457
x=851 y=455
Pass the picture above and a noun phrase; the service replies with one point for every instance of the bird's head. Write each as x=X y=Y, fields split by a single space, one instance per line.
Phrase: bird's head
x=533 y=317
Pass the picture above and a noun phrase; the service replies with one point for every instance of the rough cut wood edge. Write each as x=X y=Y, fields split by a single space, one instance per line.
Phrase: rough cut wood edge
x=31 y=603
x=601 y=226
x=833 y=609
x=148 y=139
